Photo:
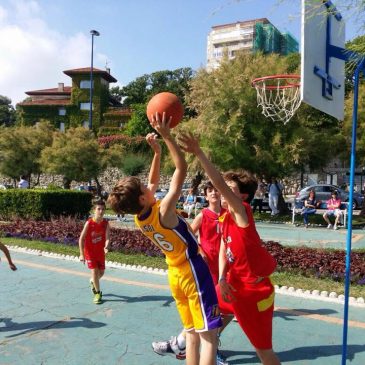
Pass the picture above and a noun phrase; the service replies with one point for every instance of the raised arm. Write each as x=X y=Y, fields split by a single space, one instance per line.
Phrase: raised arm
x=191 y=144
x=154 y=175
x=168 y=203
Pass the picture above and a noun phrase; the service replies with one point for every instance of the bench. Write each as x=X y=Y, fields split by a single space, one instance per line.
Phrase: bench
x=298 y=206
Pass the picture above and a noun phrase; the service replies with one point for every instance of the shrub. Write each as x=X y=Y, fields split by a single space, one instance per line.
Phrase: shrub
x=134 y=164
x=43 y=204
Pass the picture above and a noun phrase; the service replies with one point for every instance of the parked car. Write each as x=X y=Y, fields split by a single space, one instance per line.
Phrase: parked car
x=160 y=194
x=323 y=192
x=6 y=186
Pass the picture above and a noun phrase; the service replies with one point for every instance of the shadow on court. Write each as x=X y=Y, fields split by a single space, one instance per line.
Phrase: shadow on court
x=48 y=317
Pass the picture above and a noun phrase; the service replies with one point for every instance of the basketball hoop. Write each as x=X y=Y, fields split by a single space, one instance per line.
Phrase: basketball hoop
x=278 y=96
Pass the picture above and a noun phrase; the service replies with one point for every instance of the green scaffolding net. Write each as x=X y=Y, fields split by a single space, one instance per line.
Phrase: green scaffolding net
x=268 y=39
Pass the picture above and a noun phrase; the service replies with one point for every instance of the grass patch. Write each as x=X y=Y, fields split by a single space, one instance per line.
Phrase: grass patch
x=279 y=278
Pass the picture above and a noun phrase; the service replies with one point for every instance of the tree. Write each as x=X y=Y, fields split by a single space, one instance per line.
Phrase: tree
x=78 y=156
x=7 y=112
x=21 y=147
x=138 y=125
x=138 y=92
x=144 y=87
x=236 y=135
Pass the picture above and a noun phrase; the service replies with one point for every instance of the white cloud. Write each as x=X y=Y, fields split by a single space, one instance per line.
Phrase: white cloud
x=33 y=55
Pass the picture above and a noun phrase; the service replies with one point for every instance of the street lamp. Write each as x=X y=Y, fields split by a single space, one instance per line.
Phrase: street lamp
x=93 y=33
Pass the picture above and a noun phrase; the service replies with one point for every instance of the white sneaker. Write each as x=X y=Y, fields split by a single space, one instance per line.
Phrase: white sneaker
x=329 y=226
x=335 y=227
x=170 y=347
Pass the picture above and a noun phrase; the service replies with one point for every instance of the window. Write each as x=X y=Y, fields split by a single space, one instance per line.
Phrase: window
x=85 y=106
x=61 y=111
x=85 y=84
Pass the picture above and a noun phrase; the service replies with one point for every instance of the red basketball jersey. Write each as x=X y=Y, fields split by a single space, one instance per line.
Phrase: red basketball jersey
x=95 y=239
x=210 y=239
x=247 y=258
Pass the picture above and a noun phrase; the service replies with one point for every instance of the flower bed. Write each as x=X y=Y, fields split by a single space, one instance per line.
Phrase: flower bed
x=310 y=262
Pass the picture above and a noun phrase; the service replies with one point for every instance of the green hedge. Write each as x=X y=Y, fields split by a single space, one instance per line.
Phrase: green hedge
x=43 y=204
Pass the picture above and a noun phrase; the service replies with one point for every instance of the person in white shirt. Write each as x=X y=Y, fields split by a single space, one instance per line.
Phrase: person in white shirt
x=23 y=183
x=274 y=189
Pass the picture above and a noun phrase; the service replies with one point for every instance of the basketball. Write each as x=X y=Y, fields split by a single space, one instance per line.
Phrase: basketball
x=168 y=103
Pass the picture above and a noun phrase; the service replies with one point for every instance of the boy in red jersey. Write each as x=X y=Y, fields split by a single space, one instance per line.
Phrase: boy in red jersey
x=244 y=264
x=4 y=249
x=94 y=244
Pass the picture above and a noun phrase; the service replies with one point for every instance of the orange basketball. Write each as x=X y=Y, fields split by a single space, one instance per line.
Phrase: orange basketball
x=168 y=103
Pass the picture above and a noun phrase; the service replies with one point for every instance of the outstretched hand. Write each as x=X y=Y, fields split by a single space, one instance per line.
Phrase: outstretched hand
x=189 y=143
x=151 y=139
x=227 y=291
x=161 y=126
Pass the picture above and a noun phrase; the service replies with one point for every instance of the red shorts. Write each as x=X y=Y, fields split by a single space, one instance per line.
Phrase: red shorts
x=96 y=263
x=253 y=308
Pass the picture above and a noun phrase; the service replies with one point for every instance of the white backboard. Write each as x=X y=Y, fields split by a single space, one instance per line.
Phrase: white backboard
x=313 y=53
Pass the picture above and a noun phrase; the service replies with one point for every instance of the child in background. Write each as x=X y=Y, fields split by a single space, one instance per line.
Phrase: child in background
x=94 y=244
x=190 y=282
x=4 y=249
x=244 y=287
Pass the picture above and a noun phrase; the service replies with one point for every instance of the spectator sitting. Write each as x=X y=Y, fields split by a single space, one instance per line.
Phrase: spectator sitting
x=23 y=183
x=310 y=205
x=190 y=202
x=333 y=208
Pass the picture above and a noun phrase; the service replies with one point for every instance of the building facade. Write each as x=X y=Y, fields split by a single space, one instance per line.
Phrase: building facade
x=257 y=35
x=69 y=106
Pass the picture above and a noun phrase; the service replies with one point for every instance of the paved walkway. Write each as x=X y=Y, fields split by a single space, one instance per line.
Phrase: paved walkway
x=47 y=317
x=291 y=235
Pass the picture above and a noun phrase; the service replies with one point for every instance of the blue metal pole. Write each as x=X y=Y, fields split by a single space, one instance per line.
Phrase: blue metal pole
x=91 y=83
x=350 y=209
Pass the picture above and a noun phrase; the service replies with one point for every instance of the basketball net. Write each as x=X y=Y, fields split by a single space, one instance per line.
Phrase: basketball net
x=278 y=96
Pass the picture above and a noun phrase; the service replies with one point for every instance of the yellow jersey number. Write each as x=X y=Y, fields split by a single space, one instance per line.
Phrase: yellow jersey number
x=162 y=243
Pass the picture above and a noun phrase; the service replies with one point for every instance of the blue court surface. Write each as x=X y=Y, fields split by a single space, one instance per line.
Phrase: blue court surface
x=47 y=317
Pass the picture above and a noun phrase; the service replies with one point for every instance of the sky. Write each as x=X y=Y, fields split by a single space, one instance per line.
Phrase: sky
x=39 y=39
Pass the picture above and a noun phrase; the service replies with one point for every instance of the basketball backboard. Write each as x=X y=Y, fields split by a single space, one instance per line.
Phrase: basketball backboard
x=322 y=74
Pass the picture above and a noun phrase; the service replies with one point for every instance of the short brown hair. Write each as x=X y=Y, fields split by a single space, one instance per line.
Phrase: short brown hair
x=124 y=198
x=206 y=186
x=99 y=201
x=245 y=180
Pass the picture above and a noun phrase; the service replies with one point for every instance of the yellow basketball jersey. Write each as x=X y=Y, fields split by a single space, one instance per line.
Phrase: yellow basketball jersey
x=178 y=244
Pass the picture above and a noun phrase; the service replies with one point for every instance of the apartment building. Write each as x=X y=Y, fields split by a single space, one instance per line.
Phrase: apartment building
x=247 y=36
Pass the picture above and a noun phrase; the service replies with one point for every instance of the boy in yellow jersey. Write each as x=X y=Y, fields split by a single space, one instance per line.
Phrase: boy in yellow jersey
x=189 y=278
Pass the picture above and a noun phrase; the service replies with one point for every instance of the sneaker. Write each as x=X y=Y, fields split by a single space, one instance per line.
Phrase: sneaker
x=329 y=226
x=221 y=359
x=97 y=297
x=92 y=286
x=335 y=227
x=170 y=347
